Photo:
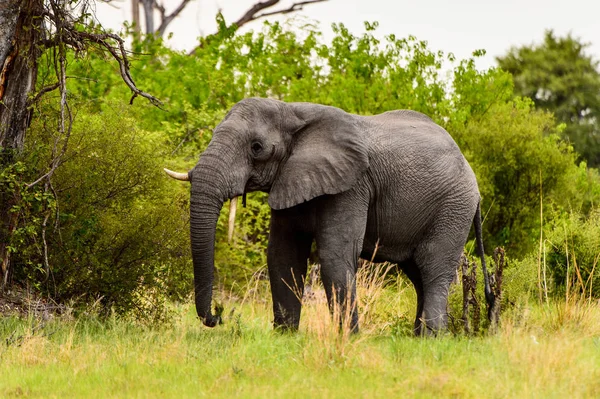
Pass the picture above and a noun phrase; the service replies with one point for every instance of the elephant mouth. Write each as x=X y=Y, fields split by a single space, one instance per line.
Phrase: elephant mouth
x=254 y=185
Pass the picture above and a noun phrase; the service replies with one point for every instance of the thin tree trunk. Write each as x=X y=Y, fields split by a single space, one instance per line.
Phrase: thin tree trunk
x=135 y=15
x=20 y=32
x=149 y=15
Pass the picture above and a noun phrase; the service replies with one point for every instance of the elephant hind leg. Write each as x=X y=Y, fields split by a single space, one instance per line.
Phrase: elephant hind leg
x=411 y=270
x=437 y=262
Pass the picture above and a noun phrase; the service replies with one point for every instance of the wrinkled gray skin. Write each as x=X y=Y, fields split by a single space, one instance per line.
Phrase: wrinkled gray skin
x=347 y=182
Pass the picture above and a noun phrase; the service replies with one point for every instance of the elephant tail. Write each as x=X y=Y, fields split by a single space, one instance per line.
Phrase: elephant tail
x=489 y=295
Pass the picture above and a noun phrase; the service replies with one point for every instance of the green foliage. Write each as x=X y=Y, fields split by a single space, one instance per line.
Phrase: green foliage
x=520 y=283
x=559 y=77
x=564 y=266
x=237 y=262
x=29 y=208
x=121 y=234
x=518 y=158
x=474 y=92
x=572 y=252
x=119 y=231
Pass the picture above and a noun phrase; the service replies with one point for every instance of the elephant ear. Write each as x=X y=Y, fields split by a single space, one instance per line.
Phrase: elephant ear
x=328 y=156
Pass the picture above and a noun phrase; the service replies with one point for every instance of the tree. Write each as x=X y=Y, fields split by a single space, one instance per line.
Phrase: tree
x=253 y=13
x=59 y=33
x=30 y=29
x=20 y=27
x=559 y=77
x=117 y=226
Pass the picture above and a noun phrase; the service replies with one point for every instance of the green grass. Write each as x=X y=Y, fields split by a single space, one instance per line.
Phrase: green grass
x=540 y=351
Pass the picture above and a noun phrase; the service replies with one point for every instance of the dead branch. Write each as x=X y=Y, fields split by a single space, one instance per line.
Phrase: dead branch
x=43 y=90
x=68 y=35
x=114 y=44
x=473 y=299
x=293 y=8
x=250 y=15
x=165 y=20
x=120 y=55
x=499 y=261
x=253 y=14
x=470 y=312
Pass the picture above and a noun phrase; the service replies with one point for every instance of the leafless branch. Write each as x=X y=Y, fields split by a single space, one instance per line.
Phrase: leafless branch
x=60 y=24
x=67 y=35
x=114 y=44
x=120 y=55
x=111 y=4
x=53 y=42
x=253 y=13
x=165 y=20
x=188 y=135
x=44 y=90
x=65 y=131
x=45 y=244
x=52 y=87
x=293 y=8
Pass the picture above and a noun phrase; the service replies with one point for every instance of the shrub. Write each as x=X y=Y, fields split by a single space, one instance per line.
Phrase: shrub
x=517 y=156
x=118 y=227
x=572 y=248
x=119 y=224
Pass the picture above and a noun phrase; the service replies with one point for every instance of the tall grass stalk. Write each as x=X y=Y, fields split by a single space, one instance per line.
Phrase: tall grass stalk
x=542 y=281
x=590 y=280
x=548 y=350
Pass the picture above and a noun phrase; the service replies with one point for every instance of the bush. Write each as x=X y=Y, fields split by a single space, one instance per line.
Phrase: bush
x=520 y=281
x=120 y=225
x=118 y=228
x=236 y=262
x=517 y=156
x=572 y=252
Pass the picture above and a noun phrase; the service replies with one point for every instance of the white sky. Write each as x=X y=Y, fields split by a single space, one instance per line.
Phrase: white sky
x=458 y=26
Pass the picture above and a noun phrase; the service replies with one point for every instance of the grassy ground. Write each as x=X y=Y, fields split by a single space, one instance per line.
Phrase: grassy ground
x=547 y=351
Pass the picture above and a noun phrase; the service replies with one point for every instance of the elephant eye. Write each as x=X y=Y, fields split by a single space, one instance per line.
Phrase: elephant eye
x=256 y=148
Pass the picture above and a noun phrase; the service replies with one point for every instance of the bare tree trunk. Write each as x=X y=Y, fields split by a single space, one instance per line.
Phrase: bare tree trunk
x=135 y=15
x=19 y=39
x=9 y=13
x=148 y=15
x=20 y=33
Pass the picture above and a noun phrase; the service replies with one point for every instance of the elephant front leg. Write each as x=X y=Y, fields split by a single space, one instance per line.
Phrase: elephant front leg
x=339 y=281
x=339 y=239
x=287 y=255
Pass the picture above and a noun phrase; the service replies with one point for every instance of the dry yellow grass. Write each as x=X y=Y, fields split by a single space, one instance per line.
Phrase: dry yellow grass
x=548 y=350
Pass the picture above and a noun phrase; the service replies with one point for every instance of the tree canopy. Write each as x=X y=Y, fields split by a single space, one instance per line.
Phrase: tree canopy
x=560 y=77
x=112 y=228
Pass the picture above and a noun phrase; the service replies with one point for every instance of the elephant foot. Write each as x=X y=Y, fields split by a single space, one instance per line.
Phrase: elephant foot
x=286 y=324
x=432 y=327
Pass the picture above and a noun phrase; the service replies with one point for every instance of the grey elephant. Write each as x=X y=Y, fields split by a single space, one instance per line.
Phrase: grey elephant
x=396 y=181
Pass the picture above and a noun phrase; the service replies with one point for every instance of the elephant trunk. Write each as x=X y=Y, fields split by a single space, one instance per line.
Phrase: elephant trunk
x=203 y=222
x=207 y=198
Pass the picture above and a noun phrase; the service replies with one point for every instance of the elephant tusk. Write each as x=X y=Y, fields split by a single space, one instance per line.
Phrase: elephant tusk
x=177 y=175
x=232 y=211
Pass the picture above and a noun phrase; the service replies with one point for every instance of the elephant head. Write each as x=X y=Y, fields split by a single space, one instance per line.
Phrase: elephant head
x=293 y=151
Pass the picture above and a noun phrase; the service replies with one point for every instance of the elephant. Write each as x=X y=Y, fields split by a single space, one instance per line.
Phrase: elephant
x=394 y=187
